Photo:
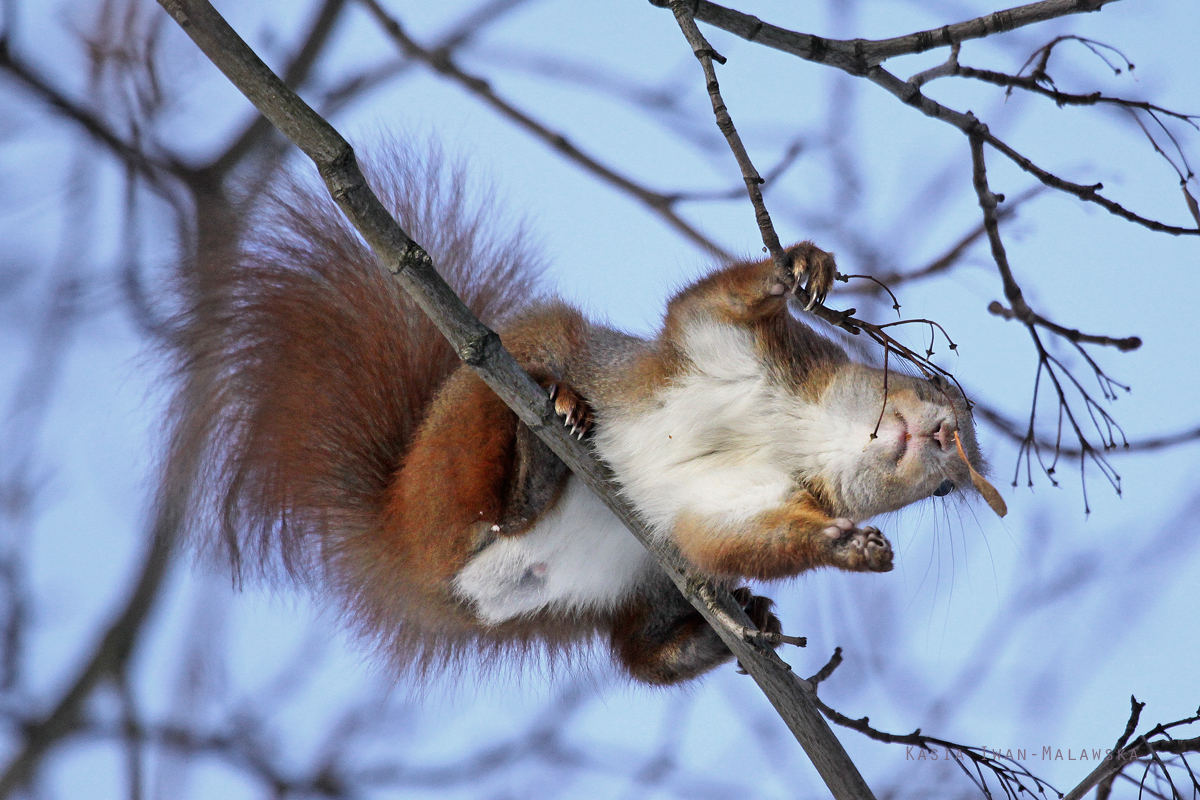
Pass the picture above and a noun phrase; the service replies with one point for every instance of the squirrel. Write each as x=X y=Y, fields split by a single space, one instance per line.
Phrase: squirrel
x=322 y=423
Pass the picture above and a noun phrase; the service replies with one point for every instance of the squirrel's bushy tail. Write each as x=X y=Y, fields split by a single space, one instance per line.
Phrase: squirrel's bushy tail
x=304 y=370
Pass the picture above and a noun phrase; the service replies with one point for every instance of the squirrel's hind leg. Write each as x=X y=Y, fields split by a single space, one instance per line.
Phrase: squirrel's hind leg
x=660 y=638
x=537 y=476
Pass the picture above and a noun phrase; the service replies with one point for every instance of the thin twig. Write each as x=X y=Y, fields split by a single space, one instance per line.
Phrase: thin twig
x=856 y=56
x=852 y=57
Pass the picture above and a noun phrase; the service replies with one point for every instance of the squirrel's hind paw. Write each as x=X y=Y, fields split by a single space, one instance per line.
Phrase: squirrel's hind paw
x=812 y=266
x=758 y=609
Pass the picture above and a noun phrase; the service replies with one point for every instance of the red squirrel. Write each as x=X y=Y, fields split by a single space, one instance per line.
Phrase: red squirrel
x=322 y=422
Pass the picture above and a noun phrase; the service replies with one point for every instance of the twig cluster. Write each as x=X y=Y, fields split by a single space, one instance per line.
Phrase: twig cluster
x=1014 y=780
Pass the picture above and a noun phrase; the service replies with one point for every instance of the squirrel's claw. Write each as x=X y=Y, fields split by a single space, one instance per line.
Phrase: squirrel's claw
x=758 y=609
x=575 y=412
x=814 y=268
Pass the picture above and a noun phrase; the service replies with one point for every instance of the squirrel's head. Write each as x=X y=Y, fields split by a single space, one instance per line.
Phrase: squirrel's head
x=888 y=449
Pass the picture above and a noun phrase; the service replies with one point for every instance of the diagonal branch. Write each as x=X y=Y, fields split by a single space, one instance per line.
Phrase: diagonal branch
x=706 y=55
x=295 y=73
x=480 y=348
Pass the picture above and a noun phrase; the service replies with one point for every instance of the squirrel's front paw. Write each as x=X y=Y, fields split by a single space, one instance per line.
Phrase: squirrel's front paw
x=812 y=266
x=859 y=549
x=574 y=410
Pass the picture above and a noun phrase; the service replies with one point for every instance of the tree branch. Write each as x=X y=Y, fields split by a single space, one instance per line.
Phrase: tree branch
x=481 y=349
x=152 y=170
x=856 y=56
x=852 y=57
x=295 y=73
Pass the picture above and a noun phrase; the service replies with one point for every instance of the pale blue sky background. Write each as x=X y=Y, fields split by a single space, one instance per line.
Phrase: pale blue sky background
x=949 y=616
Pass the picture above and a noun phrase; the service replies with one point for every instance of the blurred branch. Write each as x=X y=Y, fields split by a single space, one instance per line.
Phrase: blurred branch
x=242 y=742
x=790 y=154
x=953 y=254
x=1017 y=433
x=461 y=34
x=295 y=74
x=441 y=62
x=154 y=171
x=106 y=663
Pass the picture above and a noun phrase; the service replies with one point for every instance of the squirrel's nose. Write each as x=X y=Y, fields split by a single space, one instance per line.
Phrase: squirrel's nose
x=944 y=435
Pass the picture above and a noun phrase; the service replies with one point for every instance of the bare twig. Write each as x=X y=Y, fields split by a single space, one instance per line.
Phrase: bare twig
x=1018 y=433
x=1014 y=779
x=706 y=55
x=1144 y=748
x=1031 y=84
x=1048 y=364
x=1028 y=316
x=858 y=58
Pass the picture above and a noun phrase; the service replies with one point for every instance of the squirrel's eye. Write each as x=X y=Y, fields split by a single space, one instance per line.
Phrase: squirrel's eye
x=938 y=381
x=944 y=488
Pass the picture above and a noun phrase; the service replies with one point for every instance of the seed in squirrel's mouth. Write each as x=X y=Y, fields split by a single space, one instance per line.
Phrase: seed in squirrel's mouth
x=993 y=498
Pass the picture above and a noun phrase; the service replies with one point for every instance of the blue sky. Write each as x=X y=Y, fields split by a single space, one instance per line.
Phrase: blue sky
x=1050 y=618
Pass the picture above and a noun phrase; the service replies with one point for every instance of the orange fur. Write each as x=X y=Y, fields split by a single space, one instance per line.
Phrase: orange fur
x=779 y=543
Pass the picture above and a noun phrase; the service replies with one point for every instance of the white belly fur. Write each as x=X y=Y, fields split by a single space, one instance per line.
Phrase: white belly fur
x=715 y=442
x=577 y=557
